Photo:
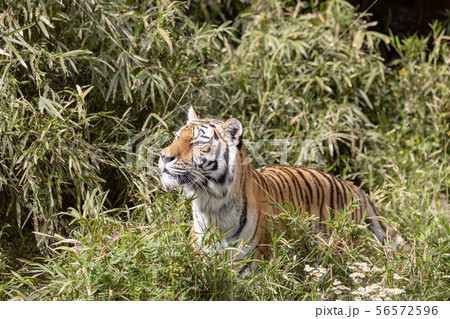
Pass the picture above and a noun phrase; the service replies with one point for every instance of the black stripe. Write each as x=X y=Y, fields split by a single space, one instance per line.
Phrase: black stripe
x=290 y=185
x=222 y=178
x=263 y=180
x=341 y=199
x=257 y=177
x=272 y=188
x=308 y=200
x=351 y=196
x=333 y=192
x=275 y=186
x=226 y=156
x=337 y=194
x=240 y=143
x=243 y=218
x=321 y=215
x=214 y=165
x=343 y=193
x=344 y=196
x=296 y=185
x=286 y=187
x=302 y=197
x=360 y=204
x=318 y=183
x=331 y=188
x=278 y=186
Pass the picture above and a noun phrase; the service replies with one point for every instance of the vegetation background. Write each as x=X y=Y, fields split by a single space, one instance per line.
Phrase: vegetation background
x=89 y=89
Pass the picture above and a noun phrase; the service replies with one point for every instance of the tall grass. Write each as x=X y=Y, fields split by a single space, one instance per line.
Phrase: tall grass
x=89 y=90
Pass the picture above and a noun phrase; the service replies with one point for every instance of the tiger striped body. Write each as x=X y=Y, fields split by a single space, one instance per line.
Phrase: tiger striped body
x=321 y=195
x=210 y=161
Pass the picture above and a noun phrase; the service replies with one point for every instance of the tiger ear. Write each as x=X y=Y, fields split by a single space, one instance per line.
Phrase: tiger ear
x=193 y=114
x=233 y=129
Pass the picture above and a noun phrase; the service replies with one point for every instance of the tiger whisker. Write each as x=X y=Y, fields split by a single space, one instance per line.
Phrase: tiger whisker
x=199 y=180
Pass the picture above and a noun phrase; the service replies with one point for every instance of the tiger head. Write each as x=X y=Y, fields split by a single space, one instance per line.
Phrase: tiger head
x=203 y=156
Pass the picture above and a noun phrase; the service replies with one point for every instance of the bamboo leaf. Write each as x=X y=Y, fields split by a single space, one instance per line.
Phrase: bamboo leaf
x=43 y=29
x=49 y=106
x=166 y=38
x=366 y=98
x=76 y=53
x=19 y=30
x=16 y=53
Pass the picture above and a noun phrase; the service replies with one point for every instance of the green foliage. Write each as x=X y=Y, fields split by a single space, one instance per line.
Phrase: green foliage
x=82 y=83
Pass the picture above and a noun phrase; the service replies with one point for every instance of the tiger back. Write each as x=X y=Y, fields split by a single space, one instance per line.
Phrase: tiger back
x=209 y=159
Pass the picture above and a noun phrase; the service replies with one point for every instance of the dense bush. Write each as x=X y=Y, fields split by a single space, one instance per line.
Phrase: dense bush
x=84 y=82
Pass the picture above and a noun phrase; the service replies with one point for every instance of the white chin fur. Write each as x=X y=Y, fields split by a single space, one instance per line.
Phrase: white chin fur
x=169 y=181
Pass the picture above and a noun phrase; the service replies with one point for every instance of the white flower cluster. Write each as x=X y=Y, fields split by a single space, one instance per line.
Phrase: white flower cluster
x=359 y=272
x=376 y=292
x=339 y=288
x=370 y=292
x=358 y=276
x=315 y=273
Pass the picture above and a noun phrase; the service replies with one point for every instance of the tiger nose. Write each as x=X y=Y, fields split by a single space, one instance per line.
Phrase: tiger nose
x=166 y=158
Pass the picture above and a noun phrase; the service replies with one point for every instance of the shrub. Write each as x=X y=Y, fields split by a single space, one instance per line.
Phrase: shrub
x=89 y=90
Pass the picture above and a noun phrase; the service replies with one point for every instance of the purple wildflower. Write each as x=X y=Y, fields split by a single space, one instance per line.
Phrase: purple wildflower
x=115 y=234
x=176 y=220
x=179 y=298
x=166 y=296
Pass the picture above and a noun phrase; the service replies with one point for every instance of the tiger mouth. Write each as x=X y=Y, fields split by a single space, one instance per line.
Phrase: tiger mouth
x=180 y=178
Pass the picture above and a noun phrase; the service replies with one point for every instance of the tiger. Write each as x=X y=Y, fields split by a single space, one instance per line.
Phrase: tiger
x=209 y=159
